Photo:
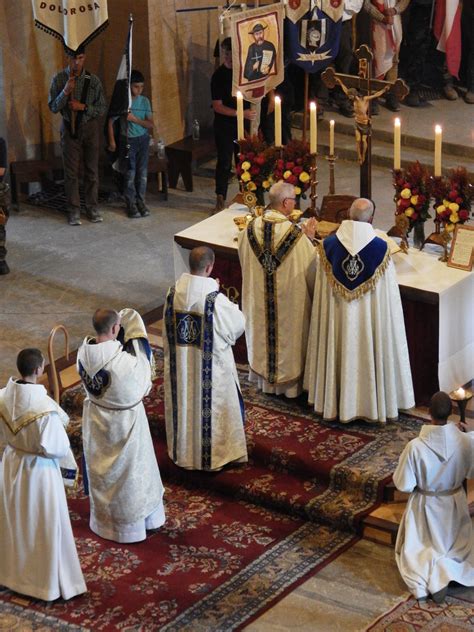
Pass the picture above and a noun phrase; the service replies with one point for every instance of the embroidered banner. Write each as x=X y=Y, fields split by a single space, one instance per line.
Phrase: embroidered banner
x=295 y=9
x=332 y=8
x=257 y=51
x=74 y=22
x=313 y=42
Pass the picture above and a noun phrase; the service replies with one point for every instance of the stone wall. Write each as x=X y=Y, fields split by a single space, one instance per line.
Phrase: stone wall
x=173 y=49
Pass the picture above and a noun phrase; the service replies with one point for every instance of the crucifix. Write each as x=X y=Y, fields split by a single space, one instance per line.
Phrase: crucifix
x=361 y=90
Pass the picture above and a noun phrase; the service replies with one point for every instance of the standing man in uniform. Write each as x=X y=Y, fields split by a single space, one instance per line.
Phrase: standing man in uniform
x=78 y=95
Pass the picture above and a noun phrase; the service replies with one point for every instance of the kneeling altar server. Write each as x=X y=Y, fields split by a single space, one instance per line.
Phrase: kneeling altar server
x=126 y=493
x=203 y=404
x=357 y=365
x=38 y=552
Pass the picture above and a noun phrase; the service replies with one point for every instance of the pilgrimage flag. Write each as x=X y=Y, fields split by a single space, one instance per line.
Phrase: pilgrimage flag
x=447 y=30
x=74 y=22
x=313 y=42
x=257 y=51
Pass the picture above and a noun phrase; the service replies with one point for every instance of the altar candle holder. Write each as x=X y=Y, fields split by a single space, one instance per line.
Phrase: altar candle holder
x=435 y=237
x=313 y=172
x=402 y=223
x=461 y=397
x=332 y=181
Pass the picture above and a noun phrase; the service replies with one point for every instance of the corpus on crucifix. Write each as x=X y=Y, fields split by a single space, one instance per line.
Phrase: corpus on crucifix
x=361 y=90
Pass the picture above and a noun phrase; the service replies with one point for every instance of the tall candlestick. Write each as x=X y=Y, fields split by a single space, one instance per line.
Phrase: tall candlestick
x=278 y=121
x=240 y=116
x=313 y=128
x=437 y=155
x=331 y=137
x=396 y=144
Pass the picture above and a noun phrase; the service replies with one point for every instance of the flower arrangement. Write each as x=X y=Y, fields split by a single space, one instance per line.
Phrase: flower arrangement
x=261 y=166
x=453 y=198
x=412 y=194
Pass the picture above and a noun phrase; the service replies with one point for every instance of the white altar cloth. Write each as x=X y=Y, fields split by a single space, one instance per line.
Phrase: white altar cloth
x=452 y=289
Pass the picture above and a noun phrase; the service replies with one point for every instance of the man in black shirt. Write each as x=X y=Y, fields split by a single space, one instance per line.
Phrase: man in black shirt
x=225 y=122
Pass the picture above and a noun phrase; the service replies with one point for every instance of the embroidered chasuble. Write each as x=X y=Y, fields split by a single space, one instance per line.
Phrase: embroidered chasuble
x=277 y=262
x=435 y=541
x=357 y=365
x=126 y=492
x=203 y=404
x=38 y=552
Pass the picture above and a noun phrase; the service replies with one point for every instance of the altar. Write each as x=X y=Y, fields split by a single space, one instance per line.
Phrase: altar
x=438 y=302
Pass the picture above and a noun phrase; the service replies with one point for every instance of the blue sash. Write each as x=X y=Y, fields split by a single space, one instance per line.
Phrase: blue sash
x=270 y=259
x=351 y=276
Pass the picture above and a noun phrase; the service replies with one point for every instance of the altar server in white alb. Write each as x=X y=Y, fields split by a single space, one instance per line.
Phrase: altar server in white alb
x=435 y=542
x=277 y=259
x=357 y=365
x=203 y=405
x=38 y=552
x=126 y=493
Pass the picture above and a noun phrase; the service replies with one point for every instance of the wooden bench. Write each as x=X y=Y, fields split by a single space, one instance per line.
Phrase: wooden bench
x=181 y=156
x=26 y=171
x=159 y=167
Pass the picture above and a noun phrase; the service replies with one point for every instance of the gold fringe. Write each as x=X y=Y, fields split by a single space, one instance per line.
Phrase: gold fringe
x=25 y=422
x=340 y=290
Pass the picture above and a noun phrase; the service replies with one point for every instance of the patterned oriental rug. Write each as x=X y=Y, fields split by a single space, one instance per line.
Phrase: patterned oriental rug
x=455 y=615
x=235 y=542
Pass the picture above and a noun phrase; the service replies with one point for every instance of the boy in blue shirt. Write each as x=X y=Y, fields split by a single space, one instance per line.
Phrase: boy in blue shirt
x=135 y=138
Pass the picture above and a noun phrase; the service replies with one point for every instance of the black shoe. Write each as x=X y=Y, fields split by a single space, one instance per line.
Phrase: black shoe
x=143 y=210
x=94 y=216
x=74 y=219
x=391 y=103
x=4 y=269
x=133 y=212
x=413 y=99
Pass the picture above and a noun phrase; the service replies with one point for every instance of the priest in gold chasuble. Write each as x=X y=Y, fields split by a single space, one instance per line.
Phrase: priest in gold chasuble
x=277 y=260
x=357 y=365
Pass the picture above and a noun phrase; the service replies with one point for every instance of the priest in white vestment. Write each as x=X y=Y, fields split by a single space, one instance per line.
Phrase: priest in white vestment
x=435 y=542
x=204 y=409
x=38 y=552
x=357 y=365
x=277 y=259
x=126 y=492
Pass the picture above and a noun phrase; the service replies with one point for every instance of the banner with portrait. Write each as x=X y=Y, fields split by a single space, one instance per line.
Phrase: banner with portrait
x=257 y=51
x=313 y=42
x=74 y=22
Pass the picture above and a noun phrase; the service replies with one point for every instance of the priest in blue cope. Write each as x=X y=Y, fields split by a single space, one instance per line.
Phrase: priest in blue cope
x=203 y=405
x=357 y=365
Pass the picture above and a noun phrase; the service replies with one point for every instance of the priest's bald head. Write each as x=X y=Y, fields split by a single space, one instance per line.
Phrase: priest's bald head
x=282 y=197
x=106 y=323
x=362 y=210
x=201 y=261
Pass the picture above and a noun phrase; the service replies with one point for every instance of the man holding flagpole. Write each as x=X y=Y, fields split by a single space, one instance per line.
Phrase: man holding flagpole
x=78 y=95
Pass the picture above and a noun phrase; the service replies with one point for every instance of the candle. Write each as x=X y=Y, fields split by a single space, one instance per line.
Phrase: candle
x=313 y=128
x=331 y=137
x=278 y=121
x=240 y=116
x=460 y=393
x=396 y=143
x=437 y=155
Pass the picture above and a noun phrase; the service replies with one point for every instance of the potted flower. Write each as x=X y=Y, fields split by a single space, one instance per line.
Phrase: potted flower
x=453 y=198
x=412 y=198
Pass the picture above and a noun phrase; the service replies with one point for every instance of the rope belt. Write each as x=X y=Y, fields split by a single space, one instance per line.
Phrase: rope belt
x=93 y=401
x=447 y=492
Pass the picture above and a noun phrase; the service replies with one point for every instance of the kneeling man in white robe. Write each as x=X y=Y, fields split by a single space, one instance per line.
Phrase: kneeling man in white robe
x=435 y=542
x=203 y=405
x=277 y=259
x=357 y=365
x=38 y=552
x=126 y=493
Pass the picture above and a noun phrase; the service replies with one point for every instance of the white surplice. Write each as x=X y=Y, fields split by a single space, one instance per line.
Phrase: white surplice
x=357 y=365
x=126 y=492
x=435 y=542
x=277 y=285
x=203 y=404
x=38 y=552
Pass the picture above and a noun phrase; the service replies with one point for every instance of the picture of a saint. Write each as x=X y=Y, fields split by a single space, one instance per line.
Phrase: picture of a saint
x=261 y=55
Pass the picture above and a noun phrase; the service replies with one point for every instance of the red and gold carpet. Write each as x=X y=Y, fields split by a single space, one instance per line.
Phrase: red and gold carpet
x=235 y=541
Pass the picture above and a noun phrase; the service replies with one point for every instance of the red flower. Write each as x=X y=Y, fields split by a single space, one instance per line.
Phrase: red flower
x=404 y=203
x=250 y=155
x=414 y=217
x=293 y=180
x=297 y=170
x=446 y=214
x=414 y=191
x=290 y=165
x=280 y=164
x=260 y=160
x=458 y=200
x=254 y=170
x=453 y=195
x=463 y=215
